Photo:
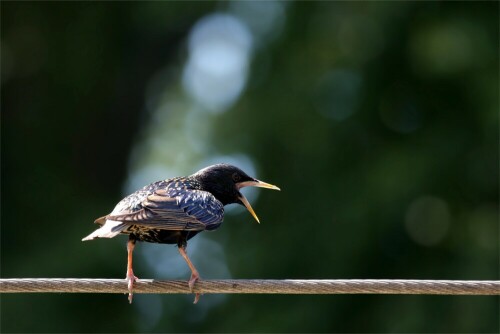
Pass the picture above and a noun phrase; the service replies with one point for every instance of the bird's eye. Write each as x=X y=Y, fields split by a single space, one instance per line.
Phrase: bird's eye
x=236 y=177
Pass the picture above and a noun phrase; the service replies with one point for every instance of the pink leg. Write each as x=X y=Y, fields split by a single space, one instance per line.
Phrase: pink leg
x=130 y=273
x=194 y=273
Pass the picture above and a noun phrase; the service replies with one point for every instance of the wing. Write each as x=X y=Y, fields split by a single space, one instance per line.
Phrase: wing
x=189 y=210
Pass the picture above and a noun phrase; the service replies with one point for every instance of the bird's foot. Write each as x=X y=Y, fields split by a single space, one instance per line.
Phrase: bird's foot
x=131 y=279
x=196 y=298
x=194 y=277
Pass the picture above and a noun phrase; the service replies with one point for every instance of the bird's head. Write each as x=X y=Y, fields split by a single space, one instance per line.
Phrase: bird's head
x=225 y=181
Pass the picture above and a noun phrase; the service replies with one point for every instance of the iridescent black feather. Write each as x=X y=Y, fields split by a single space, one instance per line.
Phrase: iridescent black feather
x=175 y=210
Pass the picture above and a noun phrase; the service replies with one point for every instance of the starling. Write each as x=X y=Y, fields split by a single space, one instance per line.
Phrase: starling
x=173 y=211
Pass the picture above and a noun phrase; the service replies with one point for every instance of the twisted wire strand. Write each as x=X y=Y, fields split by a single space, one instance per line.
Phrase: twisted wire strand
x=256 y=286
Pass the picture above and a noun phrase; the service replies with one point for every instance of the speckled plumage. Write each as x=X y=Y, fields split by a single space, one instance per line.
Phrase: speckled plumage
x=169 y=211
x=174 y=210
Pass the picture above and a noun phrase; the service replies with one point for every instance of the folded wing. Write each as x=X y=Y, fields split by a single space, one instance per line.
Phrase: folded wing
x=188 y=210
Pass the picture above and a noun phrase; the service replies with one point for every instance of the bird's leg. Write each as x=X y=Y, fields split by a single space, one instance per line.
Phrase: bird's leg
x=130 y=273
x=194 y=273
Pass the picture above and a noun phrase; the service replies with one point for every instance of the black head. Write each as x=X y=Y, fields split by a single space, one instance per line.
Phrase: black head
x=225 y=181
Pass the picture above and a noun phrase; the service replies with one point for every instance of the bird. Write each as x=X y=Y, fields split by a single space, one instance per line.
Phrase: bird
x=174 y=210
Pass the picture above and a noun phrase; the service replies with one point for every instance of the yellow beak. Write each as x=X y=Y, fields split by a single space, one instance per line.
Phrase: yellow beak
x=255 y=183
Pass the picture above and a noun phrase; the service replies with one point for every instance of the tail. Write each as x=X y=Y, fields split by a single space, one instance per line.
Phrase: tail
x=110 y=229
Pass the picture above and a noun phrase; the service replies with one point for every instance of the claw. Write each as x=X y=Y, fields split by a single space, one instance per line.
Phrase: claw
x=194 y=277
x=131 y=279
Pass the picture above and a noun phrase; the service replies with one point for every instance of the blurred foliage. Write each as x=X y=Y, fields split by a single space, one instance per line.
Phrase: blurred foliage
x=378 y=120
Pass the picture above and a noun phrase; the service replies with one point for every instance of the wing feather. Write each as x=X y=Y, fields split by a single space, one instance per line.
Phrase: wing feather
x=189 y=210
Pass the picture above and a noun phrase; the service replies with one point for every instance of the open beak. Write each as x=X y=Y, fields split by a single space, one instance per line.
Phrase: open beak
x=254 y=183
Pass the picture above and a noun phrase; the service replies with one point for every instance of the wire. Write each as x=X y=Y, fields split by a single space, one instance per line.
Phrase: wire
x=287 y=286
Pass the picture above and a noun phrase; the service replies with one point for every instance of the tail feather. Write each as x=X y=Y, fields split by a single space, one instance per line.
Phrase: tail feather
x=101 y=220
x=110 y=229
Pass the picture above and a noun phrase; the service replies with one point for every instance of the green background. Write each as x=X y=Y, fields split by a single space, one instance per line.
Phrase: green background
x=378 y=120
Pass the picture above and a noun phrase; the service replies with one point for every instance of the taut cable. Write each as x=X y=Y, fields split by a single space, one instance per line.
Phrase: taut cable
x=254 y=286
